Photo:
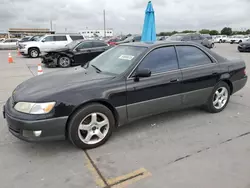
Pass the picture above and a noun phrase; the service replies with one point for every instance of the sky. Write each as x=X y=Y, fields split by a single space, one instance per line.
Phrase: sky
x=124 y=16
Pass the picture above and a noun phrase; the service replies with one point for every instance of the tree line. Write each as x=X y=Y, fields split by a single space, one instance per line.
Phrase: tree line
x=224 y=31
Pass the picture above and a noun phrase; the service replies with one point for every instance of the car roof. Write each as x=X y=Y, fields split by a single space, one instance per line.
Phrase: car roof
x=157 y=43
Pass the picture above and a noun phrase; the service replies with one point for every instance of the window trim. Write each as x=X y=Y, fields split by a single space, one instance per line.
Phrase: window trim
x=213 y=60
x=129 y=77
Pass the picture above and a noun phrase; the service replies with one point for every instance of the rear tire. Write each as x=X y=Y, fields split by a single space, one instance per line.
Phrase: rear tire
x=91 y=126
x=219 y=98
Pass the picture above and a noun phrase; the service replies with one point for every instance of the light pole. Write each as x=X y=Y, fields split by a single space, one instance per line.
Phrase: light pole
x=104 y=23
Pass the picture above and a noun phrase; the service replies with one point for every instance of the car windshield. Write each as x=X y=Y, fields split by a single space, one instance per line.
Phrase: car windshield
x=117 y=60
x=36 y=38
x=176 y=37
x=73 y=44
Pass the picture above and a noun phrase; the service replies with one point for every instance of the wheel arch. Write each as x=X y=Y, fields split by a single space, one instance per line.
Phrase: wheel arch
x=98 y=101
x=228 y=82
x=34 y=47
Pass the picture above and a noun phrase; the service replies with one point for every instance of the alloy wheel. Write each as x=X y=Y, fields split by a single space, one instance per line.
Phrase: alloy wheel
x=64 y=61
x=93 y=128
x=34 y=53
x=220 y=98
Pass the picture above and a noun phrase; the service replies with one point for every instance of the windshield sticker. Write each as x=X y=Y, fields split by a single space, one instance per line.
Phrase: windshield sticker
x=126 y=57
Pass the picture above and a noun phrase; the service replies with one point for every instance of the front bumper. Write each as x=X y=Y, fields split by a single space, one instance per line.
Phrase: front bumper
x=51 y=129
x=244 y=48
x=23 y=51
x=49 y=60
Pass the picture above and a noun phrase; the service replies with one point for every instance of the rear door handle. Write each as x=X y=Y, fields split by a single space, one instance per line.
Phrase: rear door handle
x=214 y=73
x=174 y=80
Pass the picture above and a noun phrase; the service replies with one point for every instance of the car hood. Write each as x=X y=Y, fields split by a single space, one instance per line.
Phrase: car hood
x=245 y=43
x=43 y=86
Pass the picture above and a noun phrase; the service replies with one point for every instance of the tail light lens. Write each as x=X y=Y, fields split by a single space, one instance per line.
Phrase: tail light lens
x=245 y=72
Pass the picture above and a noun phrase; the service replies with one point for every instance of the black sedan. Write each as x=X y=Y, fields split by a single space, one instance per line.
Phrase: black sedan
x=244 y=46
x=75 y=53
x=125 y=83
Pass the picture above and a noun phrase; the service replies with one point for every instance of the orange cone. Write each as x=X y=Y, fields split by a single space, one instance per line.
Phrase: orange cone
x=39 y=69
x=10 y=59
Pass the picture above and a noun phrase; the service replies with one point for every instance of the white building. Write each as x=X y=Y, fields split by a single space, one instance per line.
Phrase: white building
x=97 y=32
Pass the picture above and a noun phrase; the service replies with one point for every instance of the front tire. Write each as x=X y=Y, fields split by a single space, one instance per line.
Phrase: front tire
x=219 y=98
x=34 y=52
x=64 y=62
x=91 y=126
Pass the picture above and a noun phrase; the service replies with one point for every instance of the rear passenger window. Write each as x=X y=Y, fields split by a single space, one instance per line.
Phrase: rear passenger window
x=60 y=38
x=76 y=37
x=190 y=56
x=160 y=60
x=99 y=44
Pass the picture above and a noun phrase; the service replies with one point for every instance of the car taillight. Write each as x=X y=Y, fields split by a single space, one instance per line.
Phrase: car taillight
x=245 y=72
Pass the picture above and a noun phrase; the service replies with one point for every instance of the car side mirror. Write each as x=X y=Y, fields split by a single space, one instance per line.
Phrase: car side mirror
x=43 y=40
x=142 y=73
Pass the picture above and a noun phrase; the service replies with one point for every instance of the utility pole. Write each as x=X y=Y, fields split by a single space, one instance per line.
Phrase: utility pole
x=50 y=25
x=104 y=22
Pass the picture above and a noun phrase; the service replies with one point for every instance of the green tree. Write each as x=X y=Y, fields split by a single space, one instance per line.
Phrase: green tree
x=226 y=31
x=188 y=31
x=214 y=32
x=204 y=31
x=248 y=31
x=173 y=32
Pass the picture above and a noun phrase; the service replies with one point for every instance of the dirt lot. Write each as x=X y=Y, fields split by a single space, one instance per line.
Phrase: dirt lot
x=189 y=148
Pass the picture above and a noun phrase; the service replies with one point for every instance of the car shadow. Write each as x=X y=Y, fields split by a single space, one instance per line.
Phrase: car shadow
x=173 y=118
x=141 y=125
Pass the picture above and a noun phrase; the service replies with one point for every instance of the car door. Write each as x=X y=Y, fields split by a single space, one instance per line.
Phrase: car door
x=161 y=91
x=47 y=43
x=82 y=52
x=60 y=41
x=200 y=74
x=98 y=48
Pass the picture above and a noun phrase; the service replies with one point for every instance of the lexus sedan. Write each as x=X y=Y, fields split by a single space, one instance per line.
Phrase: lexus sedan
x=77 y=52
x=125 y=83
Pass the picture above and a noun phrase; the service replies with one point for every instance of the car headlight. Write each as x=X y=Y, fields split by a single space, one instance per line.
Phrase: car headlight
x=34 y=108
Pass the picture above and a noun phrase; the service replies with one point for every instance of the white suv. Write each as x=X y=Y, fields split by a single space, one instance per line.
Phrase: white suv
x=47 y=43
x=220 y=38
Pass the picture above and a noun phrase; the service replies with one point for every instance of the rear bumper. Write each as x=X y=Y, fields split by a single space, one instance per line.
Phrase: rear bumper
x=51 y=129
x=239 y=84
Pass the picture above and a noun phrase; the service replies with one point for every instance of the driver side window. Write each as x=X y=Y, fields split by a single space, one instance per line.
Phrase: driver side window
x=84 y=45
x=160 y=60
x=48 y=39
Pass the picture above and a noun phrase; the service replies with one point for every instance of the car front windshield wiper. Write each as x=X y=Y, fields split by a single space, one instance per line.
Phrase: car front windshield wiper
x=96 y=68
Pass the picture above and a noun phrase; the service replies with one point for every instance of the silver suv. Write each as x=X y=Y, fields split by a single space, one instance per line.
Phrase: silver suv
x=46 y=43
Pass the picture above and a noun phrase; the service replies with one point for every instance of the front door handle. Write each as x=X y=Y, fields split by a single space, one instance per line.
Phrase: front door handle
x=174 y=80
